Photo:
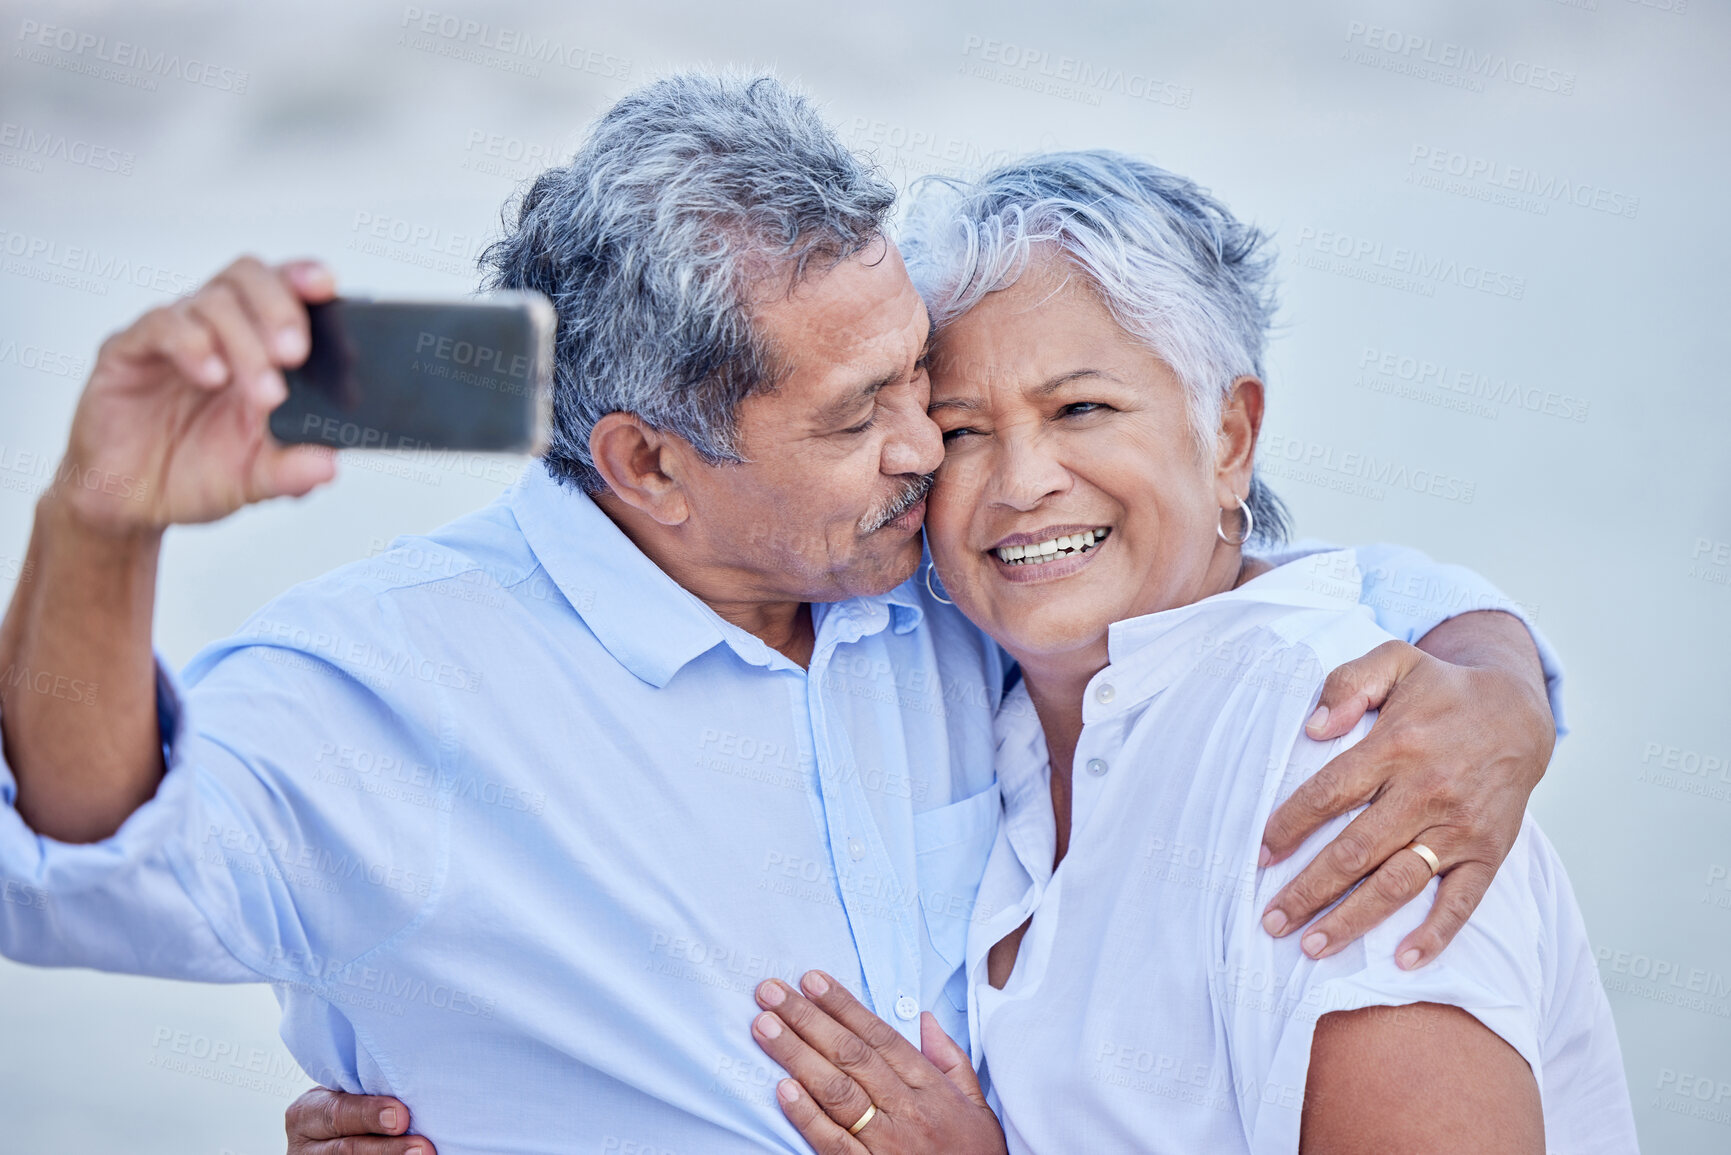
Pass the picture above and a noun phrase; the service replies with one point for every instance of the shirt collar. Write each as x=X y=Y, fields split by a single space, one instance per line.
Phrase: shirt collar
x=650 y=623
x=1145 y=653
x=906 y=611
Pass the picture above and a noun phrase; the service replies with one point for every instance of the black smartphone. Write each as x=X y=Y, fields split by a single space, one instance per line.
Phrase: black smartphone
x=474 y=374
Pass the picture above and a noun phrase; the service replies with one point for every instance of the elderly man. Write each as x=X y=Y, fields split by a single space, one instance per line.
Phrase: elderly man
x=671 y=716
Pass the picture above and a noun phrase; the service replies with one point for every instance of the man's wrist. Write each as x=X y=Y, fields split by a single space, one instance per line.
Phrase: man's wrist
x=1489 y=640
x=70 y=523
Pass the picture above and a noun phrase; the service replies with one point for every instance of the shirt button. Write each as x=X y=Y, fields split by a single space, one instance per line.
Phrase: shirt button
x=1096 y=767
x=907 y=1008
x=1104 y=693
x=855 y=849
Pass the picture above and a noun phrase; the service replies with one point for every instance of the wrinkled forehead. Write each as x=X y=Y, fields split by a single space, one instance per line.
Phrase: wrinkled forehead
x=857 y=320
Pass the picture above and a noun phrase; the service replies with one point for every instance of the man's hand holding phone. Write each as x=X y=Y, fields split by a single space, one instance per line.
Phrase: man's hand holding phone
x=173 y=425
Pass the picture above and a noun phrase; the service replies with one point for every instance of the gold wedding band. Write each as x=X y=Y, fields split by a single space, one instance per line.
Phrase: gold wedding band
x=1429 y=856
x=871 y=1109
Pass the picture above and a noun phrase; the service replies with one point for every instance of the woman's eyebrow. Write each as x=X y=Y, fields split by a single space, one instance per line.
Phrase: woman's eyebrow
x=952 y=403
x=1060 y=381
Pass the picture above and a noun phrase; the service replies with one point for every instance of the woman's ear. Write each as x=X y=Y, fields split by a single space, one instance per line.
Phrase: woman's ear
x=1235 y=448
x=642 y=466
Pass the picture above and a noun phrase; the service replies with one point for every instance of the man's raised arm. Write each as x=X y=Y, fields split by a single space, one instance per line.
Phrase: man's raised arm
x=171 y=428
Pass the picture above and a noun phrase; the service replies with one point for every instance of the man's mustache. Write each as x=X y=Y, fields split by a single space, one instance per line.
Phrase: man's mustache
x=911 y=496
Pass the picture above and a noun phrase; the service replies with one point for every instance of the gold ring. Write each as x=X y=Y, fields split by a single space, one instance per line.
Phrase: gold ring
x=1429 y=856
x=871 y=1109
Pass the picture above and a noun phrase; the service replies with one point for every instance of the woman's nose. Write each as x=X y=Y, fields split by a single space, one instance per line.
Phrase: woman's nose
x=1026 y=473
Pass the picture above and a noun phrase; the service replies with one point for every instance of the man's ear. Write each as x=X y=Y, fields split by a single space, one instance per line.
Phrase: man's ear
x=1235 y=449
x=642 y=466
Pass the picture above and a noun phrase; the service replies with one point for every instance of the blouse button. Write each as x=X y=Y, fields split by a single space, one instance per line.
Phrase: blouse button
x=907 y=1009
x=1104 y=693
x=1096 y=767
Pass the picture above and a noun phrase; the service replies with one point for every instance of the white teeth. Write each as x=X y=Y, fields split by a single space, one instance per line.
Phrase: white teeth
x=1044 y=551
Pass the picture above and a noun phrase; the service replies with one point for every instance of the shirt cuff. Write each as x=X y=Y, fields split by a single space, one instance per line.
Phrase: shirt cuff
x=70 y=868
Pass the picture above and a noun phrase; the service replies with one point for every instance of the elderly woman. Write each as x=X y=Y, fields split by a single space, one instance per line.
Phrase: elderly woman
x=1097 y=374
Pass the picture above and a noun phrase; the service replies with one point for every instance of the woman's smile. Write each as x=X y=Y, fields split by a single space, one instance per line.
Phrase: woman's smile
x=1047 y=554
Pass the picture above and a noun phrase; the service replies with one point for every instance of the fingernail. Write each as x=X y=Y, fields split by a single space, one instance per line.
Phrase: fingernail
x=1318 y=720
x=815 y=984
x=271 y=387
x=417 y=1149
x=1408 y=959
x=770 y=994
x=213 y=369
x=769 y=1026
x=388 y=1119
x=290 y=345
x=1274 y=922
x=788 y=1090
x=1264 y=856
x=1315 y=943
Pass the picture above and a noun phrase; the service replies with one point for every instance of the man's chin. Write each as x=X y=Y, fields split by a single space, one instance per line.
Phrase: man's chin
x=881 y=572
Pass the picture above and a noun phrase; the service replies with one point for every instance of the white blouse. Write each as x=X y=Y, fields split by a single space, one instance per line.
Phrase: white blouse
x=1148 y=1011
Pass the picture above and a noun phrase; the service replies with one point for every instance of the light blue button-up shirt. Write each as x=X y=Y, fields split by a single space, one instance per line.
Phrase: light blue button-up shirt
x=514 y=824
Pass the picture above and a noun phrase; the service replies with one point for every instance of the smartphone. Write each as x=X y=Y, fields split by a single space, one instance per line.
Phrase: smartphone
x=474 y=374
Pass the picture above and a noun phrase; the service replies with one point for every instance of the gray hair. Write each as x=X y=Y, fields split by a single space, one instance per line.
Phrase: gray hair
x=686 y=196
x=1178 y=271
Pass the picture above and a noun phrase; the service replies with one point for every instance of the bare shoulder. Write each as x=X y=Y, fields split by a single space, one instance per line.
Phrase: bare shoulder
x=1415 y=1079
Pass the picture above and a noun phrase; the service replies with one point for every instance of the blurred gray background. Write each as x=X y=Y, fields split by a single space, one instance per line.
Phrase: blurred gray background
x=1501 y=226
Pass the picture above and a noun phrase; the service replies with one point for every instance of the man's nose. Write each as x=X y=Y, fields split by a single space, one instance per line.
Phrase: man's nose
x=915 y=444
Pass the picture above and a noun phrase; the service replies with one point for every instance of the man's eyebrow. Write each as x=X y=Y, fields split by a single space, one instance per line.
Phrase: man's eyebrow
x=1062 y=380
x=841 y=409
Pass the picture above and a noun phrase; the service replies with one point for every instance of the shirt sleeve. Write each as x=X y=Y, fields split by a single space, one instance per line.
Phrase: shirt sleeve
x=1411 y=594
x=263 y=856
x=1502 y=968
